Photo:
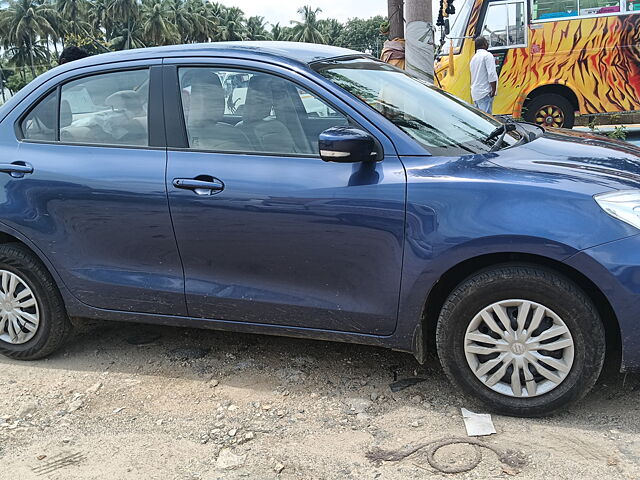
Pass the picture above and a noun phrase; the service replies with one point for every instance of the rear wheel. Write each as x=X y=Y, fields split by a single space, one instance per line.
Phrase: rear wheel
x=523 y=339
x=550 y=110
x=33 y=320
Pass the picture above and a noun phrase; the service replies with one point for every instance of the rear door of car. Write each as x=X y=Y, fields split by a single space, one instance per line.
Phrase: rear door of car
x=280 y=238
x=93 y=197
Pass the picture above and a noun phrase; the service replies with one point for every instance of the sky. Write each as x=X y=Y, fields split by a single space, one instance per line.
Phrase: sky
x=283 y=11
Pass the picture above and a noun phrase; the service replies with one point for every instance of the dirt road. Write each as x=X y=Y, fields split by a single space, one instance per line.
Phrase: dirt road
x=194 y=404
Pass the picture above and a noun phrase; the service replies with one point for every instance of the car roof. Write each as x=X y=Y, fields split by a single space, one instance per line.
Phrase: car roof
x=298 y=52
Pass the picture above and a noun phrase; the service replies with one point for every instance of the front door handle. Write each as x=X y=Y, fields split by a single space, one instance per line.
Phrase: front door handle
x=201 y=185
x=16 y=169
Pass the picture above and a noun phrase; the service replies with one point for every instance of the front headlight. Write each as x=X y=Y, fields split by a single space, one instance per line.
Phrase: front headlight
x=621 y=204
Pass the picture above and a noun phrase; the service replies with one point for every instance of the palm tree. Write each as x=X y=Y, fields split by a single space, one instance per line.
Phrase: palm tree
x=155 y=23
x=308 y=29
x=25 y=22
x=126 y=37
x=128 y=10
x=73 y=14
x=182 y=19
x=99 y=18
x=232 y=24
x=206 y=17
x=330 y=30
x=257 y=29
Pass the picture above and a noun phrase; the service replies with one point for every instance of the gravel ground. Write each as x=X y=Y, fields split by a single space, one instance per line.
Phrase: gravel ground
x=198 y=404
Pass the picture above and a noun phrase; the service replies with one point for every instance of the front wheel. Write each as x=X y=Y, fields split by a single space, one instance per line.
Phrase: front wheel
x=523 y=339
x=550 y=110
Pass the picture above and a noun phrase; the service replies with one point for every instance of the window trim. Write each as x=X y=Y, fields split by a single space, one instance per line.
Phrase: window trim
x=58 y=88
x=172 y=93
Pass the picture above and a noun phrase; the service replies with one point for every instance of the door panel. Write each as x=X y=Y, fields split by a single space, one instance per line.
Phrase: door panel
x=101 y=216
x=99 y=213
x=291 y=240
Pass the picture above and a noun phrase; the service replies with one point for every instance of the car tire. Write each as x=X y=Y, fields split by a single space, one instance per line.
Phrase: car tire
x=547 y=108
x=34 y=300
x=553 y=301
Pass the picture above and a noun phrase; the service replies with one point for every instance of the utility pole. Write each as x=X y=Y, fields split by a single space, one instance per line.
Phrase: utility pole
x=420 y=45
x=396 y=18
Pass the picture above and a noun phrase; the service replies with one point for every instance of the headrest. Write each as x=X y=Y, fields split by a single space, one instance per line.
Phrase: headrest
x=259 y=101
x=206 y=102
x=66 y=116
x=124 y=100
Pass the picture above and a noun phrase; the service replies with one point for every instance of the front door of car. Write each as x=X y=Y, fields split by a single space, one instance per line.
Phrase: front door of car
x=94 y=198
x=268 y=232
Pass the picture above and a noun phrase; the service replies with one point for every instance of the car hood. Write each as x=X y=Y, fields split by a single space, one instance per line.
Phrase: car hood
x=581 y=157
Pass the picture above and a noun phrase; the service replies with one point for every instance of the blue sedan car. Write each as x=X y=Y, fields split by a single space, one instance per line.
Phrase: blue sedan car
x=313 y=191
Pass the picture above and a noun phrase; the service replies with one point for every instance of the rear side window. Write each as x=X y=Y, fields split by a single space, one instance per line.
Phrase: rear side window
x=40 y=122
x=109 y=109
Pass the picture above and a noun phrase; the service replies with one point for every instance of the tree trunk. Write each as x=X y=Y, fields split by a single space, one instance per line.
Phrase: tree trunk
x=396 y=19
x=419 y=47
x=2 y=84
x=33 y=69
x=48 y=52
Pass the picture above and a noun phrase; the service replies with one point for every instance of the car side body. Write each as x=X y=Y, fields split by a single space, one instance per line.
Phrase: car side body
x=364 y=253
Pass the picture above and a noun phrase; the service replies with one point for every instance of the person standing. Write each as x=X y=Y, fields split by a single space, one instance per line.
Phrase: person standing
x=484 y=78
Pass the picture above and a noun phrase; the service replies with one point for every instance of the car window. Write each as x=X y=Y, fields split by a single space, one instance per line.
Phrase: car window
x=109 y=109
x=504 y=24
x=40 y=122
x=251 y=112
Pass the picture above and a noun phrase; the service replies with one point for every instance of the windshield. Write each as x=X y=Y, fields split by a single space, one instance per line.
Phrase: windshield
x=442 y=123
x=458 y=29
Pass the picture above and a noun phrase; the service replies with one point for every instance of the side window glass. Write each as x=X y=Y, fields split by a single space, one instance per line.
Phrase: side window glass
x=40 y=122
x=504 y=25
x=516 y=26
x=552 y=9
x=250 y=112
x=495 y=25
x=107 y=109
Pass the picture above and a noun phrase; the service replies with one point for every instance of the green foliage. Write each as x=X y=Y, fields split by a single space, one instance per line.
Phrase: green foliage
x=33 y=32
x=257 y=29
x=16 y=82
x=619 y=131
x=363 y=34
x=307 y=30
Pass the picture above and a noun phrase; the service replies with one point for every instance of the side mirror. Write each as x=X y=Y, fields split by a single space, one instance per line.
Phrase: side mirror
x=347 y=145
x=447 y=29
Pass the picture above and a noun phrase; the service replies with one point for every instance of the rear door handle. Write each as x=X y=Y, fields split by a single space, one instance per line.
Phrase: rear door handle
x=16 y=169
x=202 y=185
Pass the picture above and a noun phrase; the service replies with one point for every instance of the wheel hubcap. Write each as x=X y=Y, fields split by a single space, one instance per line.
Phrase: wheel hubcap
x=19 y=313
x=519 y=348
x=549 y=116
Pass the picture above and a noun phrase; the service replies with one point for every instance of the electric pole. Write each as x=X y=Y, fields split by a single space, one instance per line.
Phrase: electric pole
x=396 y=18
x=420 y=45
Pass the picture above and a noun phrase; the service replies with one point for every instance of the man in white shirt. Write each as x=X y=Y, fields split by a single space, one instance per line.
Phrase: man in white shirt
x=484 y=78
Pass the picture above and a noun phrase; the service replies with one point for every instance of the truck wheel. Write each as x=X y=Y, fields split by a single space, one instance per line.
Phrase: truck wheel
x=33 y=320
x=550 y=110
x=522 y=339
